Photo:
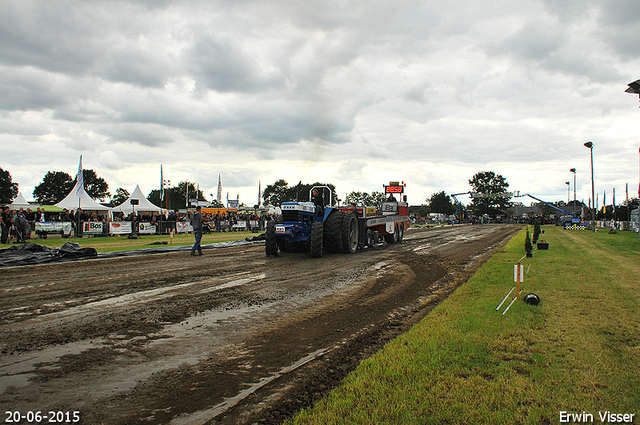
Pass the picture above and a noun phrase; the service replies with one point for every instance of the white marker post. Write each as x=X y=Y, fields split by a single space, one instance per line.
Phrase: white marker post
x=518 y=276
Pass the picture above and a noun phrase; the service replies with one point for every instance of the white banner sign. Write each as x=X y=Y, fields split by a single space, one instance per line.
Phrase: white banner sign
x=120 y=227
x=146 y=228
x=183 y=227
x=92 y=227
x=53 y=227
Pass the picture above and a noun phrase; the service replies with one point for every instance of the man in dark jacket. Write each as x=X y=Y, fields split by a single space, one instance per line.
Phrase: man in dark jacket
x=196 y=223
x=21 y=225
x=6 y=220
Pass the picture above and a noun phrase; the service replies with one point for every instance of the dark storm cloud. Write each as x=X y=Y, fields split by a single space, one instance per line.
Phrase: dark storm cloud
x=620 y=26
x=144 y=135
x=552 y=47
x=223 y=66
x=53 y=36
x=30 y=89
x=135 y=66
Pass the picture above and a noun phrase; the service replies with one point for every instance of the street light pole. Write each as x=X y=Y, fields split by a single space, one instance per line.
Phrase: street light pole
x=573 y=170
x=589 y=145
x=634 y=88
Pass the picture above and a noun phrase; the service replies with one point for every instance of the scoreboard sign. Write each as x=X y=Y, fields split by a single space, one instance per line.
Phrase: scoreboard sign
x=393 y=189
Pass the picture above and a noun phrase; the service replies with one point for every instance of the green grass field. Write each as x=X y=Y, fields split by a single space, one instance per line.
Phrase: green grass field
x=114 y=243
x=577 y=352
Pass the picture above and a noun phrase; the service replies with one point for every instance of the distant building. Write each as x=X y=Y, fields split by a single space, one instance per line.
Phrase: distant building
x=521 y=211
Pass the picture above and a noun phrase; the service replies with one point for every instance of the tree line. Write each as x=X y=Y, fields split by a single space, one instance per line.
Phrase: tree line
x=56 y=185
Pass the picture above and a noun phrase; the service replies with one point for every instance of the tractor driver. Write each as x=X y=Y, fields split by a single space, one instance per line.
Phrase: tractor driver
x=318 y=201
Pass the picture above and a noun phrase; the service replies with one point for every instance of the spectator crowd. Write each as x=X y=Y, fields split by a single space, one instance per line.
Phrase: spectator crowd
x=20 y=223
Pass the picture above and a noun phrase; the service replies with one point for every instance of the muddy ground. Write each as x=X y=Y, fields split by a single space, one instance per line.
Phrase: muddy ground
x=232 y=337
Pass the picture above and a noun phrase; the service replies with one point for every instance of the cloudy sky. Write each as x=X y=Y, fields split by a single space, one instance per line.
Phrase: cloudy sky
x=356 y=93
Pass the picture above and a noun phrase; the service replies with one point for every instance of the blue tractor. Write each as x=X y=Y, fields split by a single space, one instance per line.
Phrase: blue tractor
x=307 y=227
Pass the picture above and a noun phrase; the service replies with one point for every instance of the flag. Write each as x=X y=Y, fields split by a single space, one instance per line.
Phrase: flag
x=259 y=192
x=627 y=192
x=604 y=202
x=80 y=179
x=219 y=189
x=161 y=185
x=614 y=201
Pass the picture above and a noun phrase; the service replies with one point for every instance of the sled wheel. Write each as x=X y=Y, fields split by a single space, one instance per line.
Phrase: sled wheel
x=349 y=234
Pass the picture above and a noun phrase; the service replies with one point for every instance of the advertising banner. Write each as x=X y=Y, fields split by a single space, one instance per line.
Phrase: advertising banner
x=241 y=224
x=53 y=227
x=120 y=227
x=183 y=227
x=146 y=228
x=92 y=227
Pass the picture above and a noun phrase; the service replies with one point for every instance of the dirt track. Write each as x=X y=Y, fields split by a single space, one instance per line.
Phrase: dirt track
x=230 y=337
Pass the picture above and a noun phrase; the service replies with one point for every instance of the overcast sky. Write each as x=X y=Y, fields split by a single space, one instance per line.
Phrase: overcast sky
x=355 y=93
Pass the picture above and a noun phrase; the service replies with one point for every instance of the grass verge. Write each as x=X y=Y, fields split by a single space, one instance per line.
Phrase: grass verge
x=114 y=243
x=577 y=352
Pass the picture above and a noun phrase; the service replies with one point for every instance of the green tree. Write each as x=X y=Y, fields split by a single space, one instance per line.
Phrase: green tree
x=95 y=186
x=187 y=190
x=528 y=247
x=364 y=198
x=55 y=186
x=440 y=202
x=8 y=189
x=155 y=198
x=175 y=198
x=120 y=196
x=536 y=230
x=279 y=192
x=491 y=193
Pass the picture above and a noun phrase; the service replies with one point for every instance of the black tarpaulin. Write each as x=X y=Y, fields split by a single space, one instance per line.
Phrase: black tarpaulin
x=30 y=253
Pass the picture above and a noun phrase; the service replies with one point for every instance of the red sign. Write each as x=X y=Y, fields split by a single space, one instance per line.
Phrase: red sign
x=393 y=189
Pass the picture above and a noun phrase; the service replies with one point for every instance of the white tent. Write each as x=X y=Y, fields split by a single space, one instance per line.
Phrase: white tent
x=20 y=202
x=78 y=198
x=143 y=204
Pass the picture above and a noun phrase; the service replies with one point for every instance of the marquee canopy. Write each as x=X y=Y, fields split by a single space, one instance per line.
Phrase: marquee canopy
x=143 y=204
x=78 y=198
x=19 y=202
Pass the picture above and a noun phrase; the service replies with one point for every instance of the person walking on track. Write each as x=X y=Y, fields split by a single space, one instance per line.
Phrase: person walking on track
x=196 y=223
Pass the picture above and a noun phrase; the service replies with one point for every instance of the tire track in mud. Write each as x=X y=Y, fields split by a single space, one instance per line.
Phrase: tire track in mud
x=170 y=338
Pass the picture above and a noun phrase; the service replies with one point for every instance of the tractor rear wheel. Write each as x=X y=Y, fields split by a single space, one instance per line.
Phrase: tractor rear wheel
x=333 y=229
x=349 y=233
x=271 y=242
x=317 y=229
